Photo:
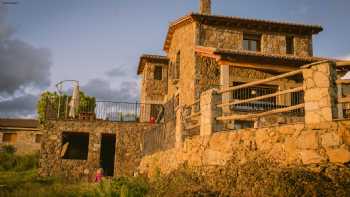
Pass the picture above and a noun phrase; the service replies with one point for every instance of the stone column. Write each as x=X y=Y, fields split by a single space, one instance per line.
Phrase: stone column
x=224 y=84
x=209 y=112
x=320 y=92
x=179 y=128
x=340 y=105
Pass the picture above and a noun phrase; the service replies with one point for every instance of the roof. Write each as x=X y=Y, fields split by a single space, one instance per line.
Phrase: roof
x=234 y=55
x=238 y=22
x=19 y=123
x=150 y=58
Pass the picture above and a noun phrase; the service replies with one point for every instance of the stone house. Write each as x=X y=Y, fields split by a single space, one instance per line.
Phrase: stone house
x=206 y=51
x=219 y=74
x=23 y=134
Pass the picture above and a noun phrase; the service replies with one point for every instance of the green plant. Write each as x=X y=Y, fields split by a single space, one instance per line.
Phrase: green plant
x=49 y=101
x=10 y=149
x=12 y=162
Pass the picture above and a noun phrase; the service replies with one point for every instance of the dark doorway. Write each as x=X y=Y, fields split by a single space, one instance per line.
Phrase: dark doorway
x=107 y=154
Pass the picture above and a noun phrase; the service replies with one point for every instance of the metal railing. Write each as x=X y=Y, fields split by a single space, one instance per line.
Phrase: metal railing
x=107 y=110
x=343 y=98
x=253 y=100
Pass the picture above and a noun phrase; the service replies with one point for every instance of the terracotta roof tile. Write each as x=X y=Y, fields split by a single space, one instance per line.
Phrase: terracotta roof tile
x=20 y=123
x=152 y=58
x=228 y=21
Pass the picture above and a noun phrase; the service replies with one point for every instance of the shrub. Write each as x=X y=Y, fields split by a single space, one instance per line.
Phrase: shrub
x=49 y=101
x=12 y=162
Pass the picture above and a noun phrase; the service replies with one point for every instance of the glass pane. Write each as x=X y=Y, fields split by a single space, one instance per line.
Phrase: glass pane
x=246 y=44
x=253 y=45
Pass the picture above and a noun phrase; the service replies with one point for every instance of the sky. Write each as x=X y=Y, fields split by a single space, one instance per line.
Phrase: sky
x=99 y=42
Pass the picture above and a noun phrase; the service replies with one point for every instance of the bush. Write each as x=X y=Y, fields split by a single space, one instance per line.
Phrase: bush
x=122 y=187
x=11 y=162
x=48 y=102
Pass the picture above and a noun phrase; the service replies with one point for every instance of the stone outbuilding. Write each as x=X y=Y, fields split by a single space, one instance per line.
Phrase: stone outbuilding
x=23 y=134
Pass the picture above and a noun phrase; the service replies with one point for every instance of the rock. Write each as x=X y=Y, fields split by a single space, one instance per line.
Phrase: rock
x=310 y=157
x=340 y=155
x=308 y=140
x=330 y=139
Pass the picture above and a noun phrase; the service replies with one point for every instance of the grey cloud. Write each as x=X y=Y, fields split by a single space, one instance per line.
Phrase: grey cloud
x=101 y=89
x=116 y=72
x=22 y=65
x=22 y=106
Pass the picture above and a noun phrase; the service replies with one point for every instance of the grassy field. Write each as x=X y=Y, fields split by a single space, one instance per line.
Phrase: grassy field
x=18 y=177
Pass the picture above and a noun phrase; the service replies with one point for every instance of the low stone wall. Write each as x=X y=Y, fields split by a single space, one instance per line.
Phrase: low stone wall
x=292 y=144
x=130 y=147
x=160 y=137
x=25 y=141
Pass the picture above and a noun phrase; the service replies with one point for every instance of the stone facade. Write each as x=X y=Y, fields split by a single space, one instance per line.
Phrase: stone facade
x=26 y=141
x=320 y=92
x=152 y=90
x=133 y=141
x=293 y=144
x=23 y=134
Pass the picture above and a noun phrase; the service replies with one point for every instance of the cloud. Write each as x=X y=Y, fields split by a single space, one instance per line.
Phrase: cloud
x=101 y=89
x=116 y=72
x=23 y=106
x=23 y=68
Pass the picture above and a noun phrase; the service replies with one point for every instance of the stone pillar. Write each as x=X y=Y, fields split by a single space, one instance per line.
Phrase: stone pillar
x=340 y=105
x=179 y=128
x=225 y=83
x=205 y=7
x=320 y=92
x=209 y=112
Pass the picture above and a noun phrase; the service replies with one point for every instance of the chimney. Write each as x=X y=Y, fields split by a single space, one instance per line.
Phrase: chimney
x=205 y=7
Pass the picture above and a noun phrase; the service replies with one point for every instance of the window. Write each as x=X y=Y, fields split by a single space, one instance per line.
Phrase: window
x=9 y=137
x=252 y=92
x=177 y=66
x=251 y=42
x=290 y=45
x=75 y=146
x=37 y=138
x=158 y=73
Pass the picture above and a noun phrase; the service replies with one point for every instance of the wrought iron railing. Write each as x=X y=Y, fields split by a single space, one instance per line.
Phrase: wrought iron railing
x=107 y=110
x=343 y=98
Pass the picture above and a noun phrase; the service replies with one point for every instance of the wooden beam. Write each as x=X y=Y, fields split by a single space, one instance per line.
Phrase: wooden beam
x=262 y=97
x=343 y=81
x=343 y=64
x=262 y=81
x=251 y=116
x=266 y=67
x=344 y=100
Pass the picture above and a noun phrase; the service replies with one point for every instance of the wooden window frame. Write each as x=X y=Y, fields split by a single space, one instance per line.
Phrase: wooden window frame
x=158 y=73
x=250 y=38
x=290 y=45
x=9 y=137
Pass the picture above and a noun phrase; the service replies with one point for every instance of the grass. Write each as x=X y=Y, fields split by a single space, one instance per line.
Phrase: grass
x=258 y=177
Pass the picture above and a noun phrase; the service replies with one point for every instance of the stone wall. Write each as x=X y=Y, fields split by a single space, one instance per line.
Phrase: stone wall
x=183 y=41
x=130 y=146
x=271 y=43
x=153 y=91
x=25 y=141
x=320 y=92
x=303 y=46
x=221 y=37
x=292 y=144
